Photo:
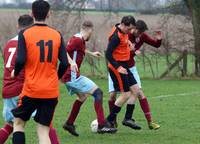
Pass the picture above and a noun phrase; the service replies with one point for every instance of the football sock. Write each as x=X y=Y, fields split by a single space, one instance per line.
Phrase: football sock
x=74 y=112
x=18 y=138
x=129 y=111
x=111 y=104
x=98 y=98
x=53 y=136
x=146 y=109
x=99 y=112
x=114 y=113
x=5 y=132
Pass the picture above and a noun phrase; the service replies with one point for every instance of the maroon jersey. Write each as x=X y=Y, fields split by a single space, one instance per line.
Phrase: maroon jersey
x=76 y=49
x=11 y=86
x=139 y=41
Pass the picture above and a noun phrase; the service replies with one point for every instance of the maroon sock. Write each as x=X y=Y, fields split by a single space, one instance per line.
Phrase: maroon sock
x=111 y=104
x=5 y=132
x=53 y=136
x=99 y=112
x=74 y=112
x=146 y=109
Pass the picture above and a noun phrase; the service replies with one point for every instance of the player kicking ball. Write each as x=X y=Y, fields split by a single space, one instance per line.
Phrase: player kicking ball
x=81 y=85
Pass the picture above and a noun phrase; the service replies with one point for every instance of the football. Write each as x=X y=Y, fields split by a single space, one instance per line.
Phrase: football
x=94 y=126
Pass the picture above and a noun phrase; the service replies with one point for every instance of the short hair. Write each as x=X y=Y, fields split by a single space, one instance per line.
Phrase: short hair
x=25 y=20
x=40 y=9
x=87 y=25
x=128 y=20
x=141 y=26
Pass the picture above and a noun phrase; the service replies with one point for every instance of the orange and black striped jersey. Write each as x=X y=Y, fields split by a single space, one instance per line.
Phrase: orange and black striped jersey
x=39 y=48
x=118 y=47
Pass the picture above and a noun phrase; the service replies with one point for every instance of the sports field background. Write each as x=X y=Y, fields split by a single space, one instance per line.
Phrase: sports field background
x=175 y=104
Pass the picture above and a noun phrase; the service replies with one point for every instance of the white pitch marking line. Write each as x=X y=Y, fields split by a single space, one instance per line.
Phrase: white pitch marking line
x=175 y=95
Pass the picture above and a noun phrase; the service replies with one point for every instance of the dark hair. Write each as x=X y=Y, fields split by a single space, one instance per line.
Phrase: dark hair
x=87 y=24
x=40 y=9
x=128 y=20
x=25 y=20
x=141 y=26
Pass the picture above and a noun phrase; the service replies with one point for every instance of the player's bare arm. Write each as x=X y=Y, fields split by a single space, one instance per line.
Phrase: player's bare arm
x=95 y=54
x=72 y=63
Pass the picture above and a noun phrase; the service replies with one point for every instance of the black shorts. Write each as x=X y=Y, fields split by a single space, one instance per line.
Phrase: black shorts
x=121 y=82
x=44 y=109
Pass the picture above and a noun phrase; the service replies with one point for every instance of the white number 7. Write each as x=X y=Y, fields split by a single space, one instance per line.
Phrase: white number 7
x=12 y=52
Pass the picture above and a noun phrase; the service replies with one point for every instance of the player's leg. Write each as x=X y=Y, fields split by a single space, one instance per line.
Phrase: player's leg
x=69 y=124
x=112 y=94
x=43 y=134
x=44 y=115
x=135 y=93
x=53 y=135
x=8 y=105
x=143 y=100
x=22 y=114
x=128 y=120
x=144 y=104
x=18 y=131
x=120 y=83
x=97 y=94
x=124 y=96
x=134 y=88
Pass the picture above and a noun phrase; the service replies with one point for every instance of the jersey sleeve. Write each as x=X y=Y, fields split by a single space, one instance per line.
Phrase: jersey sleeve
x=63 y=59
x=112 y=45
x=151 y=41
x=21 y=54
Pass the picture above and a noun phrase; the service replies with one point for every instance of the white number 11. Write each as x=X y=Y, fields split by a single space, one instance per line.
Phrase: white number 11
x=12 y=52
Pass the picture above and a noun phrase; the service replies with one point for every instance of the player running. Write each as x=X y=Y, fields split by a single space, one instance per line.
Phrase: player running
x=39 y=48
x=81 y=85
x=138 y=37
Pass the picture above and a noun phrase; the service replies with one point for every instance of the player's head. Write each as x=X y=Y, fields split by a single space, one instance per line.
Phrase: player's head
x=40 y=10
x=24 y=21
x=141 y=27
x=87 y=29
x=127 y=23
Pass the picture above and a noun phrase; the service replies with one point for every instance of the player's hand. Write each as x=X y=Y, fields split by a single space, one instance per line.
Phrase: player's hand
x=13 y=74
x=97 y=54
x=122 y=70
x=137 y=52
x=158 y=35
x=131 y=45
x=74 y=67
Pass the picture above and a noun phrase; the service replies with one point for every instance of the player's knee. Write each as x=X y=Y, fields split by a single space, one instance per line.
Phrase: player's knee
x=98 y=94
x=19 y=124
x=82 y=99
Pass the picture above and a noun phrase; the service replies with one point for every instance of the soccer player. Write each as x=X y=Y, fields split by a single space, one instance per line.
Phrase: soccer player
x=118 y=54
x=39 y=48
x=138 y=37
x=13 y=87
x=81 y=85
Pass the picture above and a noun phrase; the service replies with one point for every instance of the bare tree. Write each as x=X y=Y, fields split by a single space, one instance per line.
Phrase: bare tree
x=194 y=7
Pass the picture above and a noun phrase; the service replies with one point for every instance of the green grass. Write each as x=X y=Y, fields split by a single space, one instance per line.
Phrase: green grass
x=177 y=114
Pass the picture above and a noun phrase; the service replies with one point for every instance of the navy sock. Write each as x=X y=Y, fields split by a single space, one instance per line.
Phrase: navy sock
x=18 y=138
x=114 y=113
x=129 y=111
